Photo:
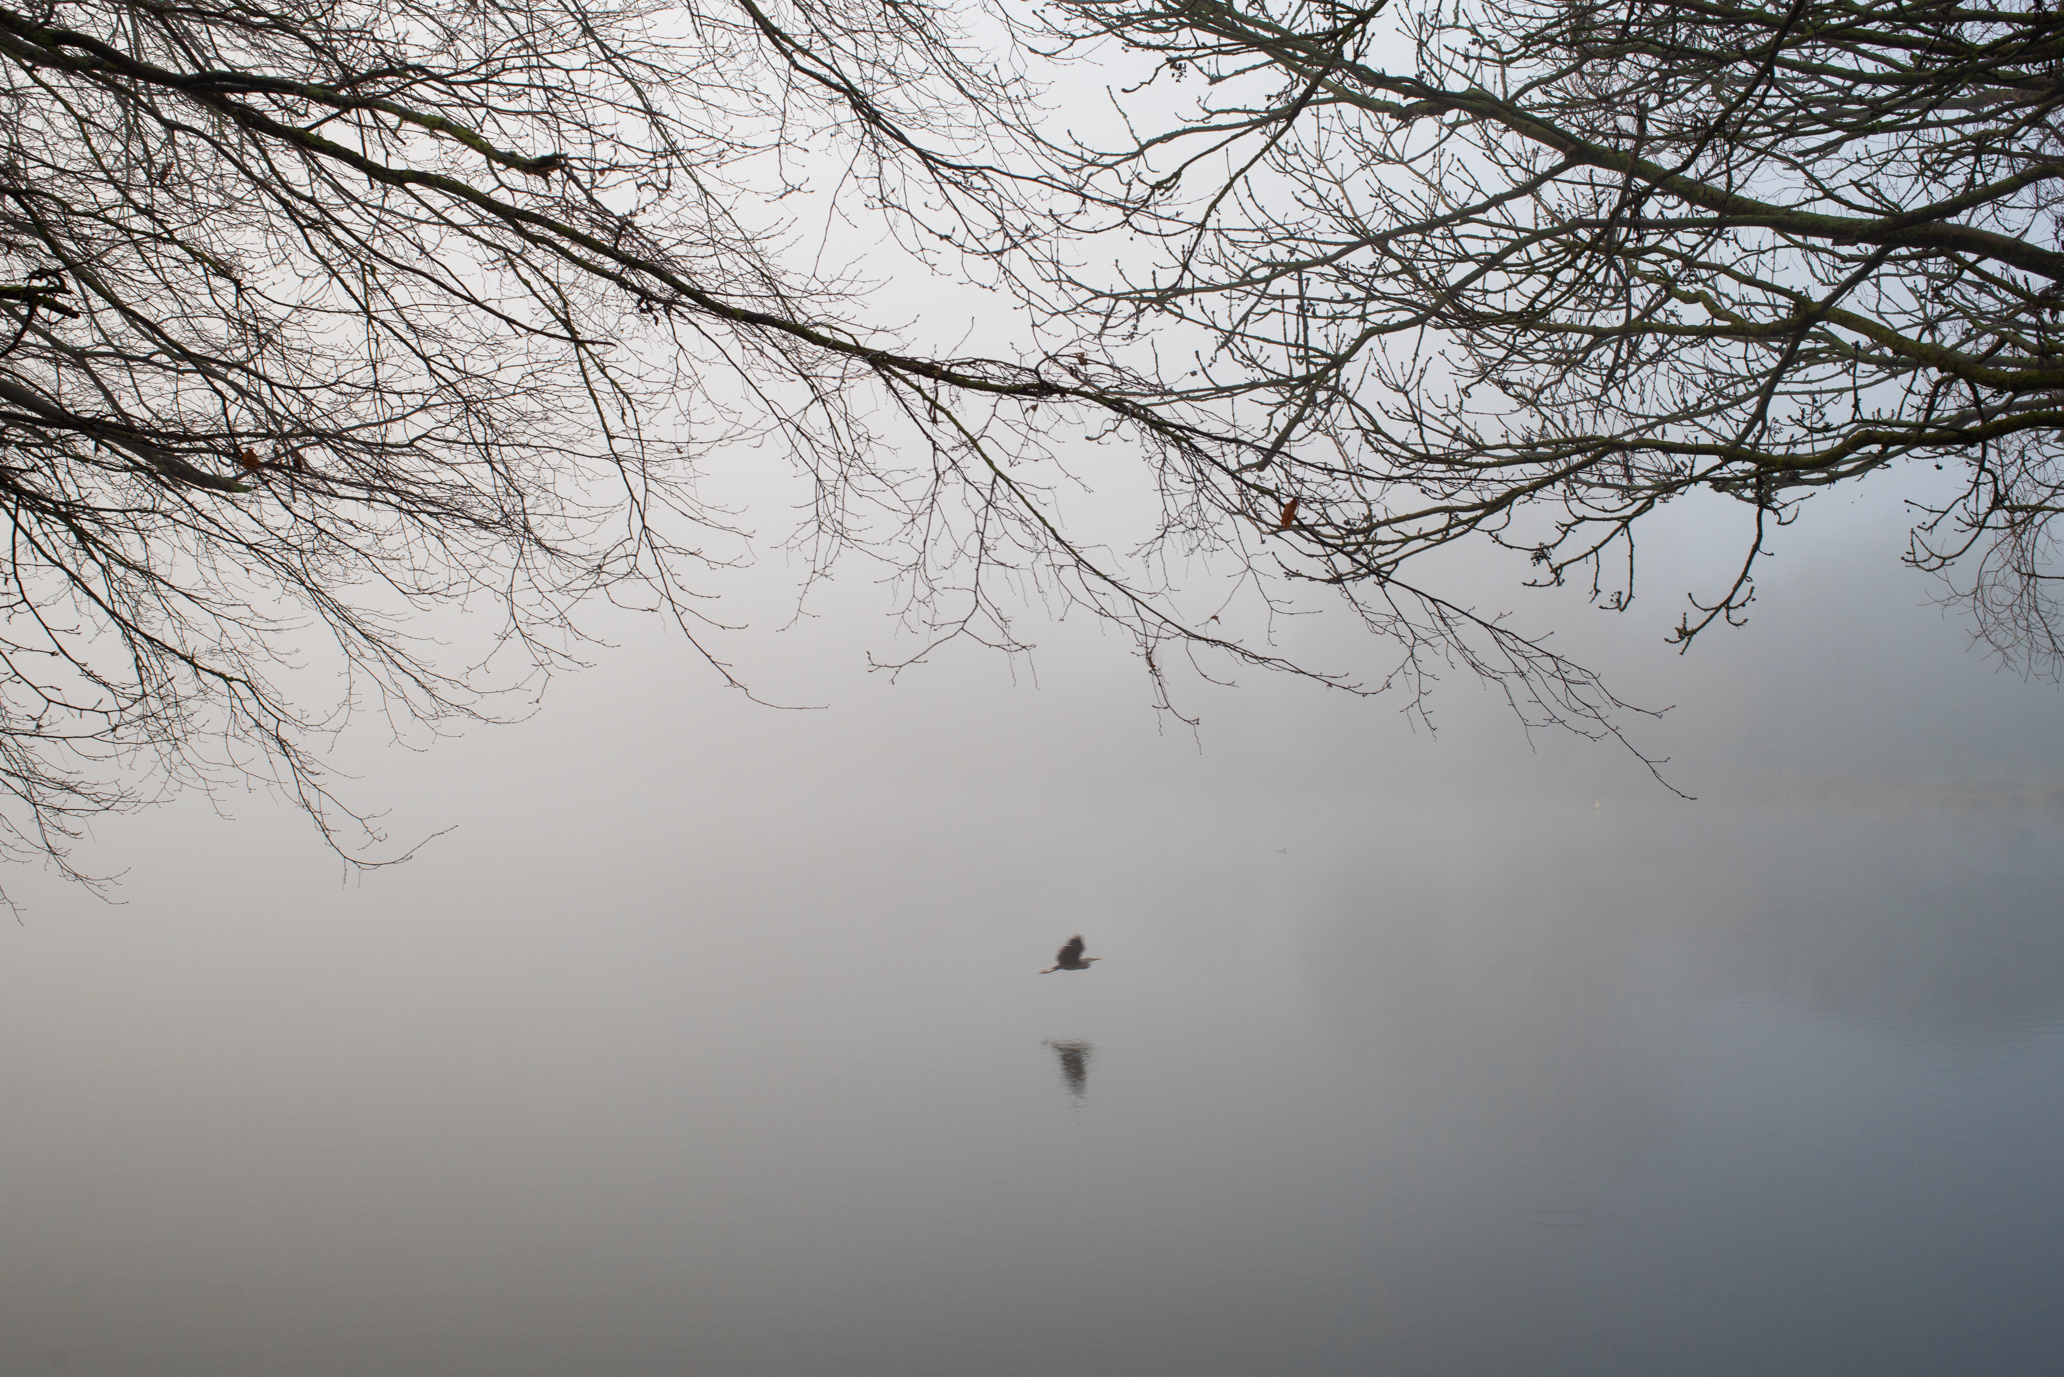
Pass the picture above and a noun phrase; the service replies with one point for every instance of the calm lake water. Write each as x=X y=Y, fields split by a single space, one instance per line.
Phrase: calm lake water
x=1358 y=1086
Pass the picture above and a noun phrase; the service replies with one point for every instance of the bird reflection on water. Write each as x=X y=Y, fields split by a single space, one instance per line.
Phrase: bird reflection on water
x=1074 y=1064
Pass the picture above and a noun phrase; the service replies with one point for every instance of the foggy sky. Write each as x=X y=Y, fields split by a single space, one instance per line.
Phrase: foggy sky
x=710 y=1039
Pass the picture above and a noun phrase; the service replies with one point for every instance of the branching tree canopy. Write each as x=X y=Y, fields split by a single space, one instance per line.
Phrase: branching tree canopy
x=1578 y=259
x=317 y=316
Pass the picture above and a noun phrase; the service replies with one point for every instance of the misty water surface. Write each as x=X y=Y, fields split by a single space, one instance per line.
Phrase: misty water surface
x=711 y=1041
x=1359 y=1086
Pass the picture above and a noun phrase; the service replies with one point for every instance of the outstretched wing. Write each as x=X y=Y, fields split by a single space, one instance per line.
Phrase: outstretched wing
x=1071 y=953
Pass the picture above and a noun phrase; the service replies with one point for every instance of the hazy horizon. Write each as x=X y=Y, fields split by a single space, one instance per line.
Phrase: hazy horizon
x=710 y=1037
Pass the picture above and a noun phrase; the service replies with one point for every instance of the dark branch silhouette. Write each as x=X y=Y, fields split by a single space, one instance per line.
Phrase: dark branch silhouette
x=1565 y=263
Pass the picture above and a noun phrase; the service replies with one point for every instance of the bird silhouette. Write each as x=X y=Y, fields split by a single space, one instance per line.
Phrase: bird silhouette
x=1070 y=958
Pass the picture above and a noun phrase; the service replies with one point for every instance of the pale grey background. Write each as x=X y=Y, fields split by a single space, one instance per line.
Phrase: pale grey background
x=710 y=1040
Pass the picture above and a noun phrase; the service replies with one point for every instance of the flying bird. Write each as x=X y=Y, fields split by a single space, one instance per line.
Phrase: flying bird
x=1070 y=958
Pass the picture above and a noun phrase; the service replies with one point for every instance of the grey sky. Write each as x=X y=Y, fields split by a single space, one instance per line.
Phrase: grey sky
x=709 y=1037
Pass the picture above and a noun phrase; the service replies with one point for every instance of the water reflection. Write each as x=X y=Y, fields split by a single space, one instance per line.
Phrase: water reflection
x=1074 y=1064
x=1466 y=1090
